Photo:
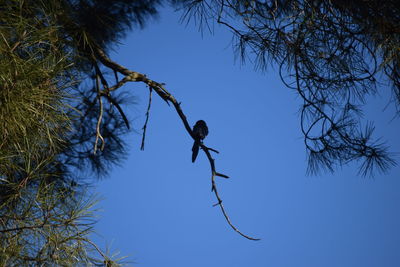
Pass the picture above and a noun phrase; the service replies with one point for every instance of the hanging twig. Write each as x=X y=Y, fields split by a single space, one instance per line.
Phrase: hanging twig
x=108 y=90
x=147 y=119
x=98 y=125
x=215 y=190
x=121 y=112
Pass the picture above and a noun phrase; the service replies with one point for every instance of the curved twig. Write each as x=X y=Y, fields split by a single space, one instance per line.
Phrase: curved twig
x=215 y=190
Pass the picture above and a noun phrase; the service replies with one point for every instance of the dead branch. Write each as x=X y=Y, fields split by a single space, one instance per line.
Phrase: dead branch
x=211 y=149
x=132 y=76
x=147 y=119
x=215 y=190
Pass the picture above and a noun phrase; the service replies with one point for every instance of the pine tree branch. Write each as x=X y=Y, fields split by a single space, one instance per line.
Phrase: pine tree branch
x=133 y=76
x=215 y=190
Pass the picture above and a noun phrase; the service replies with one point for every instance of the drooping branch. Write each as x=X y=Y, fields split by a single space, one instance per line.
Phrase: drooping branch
x=215 y=190
x=132 y=76
x=147 y=119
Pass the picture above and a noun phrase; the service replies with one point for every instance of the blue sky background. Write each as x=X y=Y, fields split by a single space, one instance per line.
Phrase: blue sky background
x=157 y=207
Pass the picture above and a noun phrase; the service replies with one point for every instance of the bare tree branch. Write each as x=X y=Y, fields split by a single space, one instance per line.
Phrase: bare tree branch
x=132 y=76
x=215 y=190
x=147 y=119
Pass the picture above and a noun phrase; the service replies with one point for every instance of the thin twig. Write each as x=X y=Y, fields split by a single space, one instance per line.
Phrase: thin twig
x=100 y=75
x=98 y=132
x=115 y=76
x=219 y=199
x=106 y=91
x=121 y=112
x=97 y=248
x=30 y=227
x=211 y=149
x=147 y=119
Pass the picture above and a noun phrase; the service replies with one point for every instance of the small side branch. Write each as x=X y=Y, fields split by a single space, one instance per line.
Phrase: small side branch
x=147 y=119
x=211 y=149
x=121 y=112
x=219 y=199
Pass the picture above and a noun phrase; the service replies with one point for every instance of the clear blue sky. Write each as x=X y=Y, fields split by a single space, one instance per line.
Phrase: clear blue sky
x=157 y=207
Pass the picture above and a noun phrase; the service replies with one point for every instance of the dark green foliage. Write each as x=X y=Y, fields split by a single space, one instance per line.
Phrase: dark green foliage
x=78 y=153
x=48 y=118
x=107 y=21
x=332 y=53
x=52 y=122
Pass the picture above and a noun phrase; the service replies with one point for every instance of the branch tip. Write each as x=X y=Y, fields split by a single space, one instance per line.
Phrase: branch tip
x=222 y=175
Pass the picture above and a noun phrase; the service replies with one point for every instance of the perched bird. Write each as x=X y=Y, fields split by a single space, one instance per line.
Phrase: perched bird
x=200 y=131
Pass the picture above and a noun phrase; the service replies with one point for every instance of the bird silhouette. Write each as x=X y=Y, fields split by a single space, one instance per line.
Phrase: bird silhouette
x=200 y=131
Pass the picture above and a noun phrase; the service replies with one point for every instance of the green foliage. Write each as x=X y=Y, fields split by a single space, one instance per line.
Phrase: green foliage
x=33 y=69
x=334 y=54
x=330 y=52
x=45 y=226
x=47 y=131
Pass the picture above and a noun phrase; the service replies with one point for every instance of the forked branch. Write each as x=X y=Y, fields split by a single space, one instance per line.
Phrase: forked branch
x=132 y=76
x=215 y=190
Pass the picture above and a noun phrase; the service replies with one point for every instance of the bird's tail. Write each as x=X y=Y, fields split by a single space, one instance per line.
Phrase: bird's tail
x=195 y=149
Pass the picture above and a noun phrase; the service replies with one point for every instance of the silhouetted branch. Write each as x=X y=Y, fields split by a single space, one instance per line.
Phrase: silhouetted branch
x=132 y=76
x=211 y=149
x=215 y=190
x=221 y=175
x=121 y=112
x=147 y=119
